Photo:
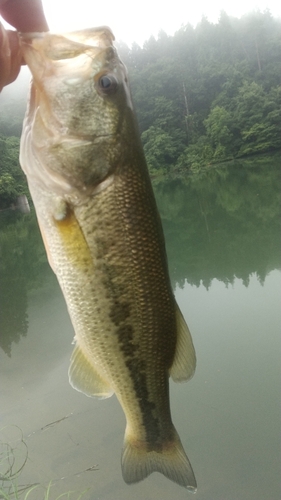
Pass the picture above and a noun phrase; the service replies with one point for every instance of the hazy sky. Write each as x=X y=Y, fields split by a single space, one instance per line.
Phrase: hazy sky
x=137 y=20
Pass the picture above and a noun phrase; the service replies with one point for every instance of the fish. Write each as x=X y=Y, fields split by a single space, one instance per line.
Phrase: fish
x=88 y=178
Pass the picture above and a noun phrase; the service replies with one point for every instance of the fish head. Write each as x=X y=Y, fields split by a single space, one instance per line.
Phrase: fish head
x=80 y=113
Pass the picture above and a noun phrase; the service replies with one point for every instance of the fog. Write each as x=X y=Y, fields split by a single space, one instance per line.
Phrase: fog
x=18 y=89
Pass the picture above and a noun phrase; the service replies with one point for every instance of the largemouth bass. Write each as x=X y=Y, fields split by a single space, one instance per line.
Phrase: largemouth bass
x=81 y=152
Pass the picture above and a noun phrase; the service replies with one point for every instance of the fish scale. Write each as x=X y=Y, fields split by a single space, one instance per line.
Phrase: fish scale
x=81 y=152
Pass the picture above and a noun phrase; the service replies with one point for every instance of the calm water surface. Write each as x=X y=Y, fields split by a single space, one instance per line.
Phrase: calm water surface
x=223 y=243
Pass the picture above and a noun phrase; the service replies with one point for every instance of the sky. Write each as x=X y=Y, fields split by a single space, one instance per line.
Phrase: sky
x=138 y=20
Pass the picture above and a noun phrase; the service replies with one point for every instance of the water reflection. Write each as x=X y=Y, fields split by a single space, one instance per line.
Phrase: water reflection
x=221 y=228
x=222 y=224
x=22 y=267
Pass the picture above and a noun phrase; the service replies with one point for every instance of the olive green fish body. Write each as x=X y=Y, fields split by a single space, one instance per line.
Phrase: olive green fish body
x=97 y=213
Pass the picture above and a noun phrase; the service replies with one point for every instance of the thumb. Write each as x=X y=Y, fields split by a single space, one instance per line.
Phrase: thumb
x=10 y=56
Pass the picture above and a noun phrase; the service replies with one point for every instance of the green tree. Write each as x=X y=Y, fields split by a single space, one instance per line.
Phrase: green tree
x=159 y=149
x=258 y=117
x=218 y=128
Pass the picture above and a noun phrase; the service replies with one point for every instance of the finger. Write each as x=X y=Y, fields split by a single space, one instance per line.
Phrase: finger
x=10 y=56
x=24 y=15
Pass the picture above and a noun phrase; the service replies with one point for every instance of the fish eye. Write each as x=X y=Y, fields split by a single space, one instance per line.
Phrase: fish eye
x=107 y=84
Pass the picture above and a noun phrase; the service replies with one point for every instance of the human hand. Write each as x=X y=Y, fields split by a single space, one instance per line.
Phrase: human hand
x=25 y=16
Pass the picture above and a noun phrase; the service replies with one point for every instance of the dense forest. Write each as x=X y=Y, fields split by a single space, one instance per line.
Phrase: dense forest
x=209 y=93
x=205 y=95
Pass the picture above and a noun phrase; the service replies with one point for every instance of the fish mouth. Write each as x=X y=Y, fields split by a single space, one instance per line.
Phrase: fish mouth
x=98 y=34
x=76 y=141
x=68 y=45
x=69 y=143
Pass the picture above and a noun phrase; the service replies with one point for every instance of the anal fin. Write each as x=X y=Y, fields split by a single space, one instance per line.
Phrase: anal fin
x=84 y=377
x=184 y=362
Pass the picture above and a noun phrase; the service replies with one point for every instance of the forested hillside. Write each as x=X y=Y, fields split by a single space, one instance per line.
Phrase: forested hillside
x=208 y=93
x=205 y=95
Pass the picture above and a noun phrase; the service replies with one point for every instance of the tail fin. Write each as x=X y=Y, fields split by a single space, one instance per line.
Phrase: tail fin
x=138 y=463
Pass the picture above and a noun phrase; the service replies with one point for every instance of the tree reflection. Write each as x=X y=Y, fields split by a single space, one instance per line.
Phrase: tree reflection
x=223 y=223
x=22 y=268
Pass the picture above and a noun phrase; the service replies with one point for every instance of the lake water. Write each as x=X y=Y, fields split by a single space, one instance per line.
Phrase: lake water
x=223 y=242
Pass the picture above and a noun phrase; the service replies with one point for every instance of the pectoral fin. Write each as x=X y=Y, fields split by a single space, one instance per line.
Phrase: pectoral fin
x=84 y=378
x=184 y=363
